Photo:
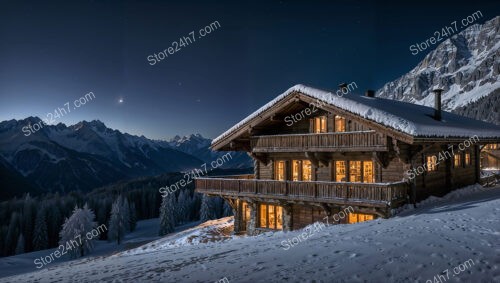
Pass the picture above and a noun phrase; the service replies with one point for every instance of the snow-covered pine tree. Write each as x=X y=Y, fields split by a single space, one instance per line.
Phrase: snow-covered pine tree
x=126 y=212
x=183 y=203
x=119 y=221
x=12 y=233
x=20 y=245
x=207 y=210
x=74 y=231
x=40 y=234
x=167 y=215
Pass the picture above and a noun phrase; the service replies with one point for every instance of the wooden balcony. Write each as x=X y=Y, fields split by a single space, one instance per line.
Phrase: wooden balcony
x=342 y=193
x=326 y=142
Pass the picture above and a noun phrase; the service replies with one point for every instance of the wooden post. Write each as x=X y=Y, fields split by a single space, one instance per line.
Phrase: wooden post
x=252 y=222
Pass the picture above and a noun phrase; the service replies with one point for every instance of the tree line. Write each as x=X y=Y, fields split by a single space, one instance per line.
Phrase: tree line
x=37 y=223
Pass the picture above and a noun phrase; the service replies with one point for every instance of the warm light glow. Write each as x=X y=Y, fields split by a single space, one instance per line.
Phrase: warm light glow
x=368 y=176
x=339 y=124
x=355 y=171
x=320 y=124
x=340 y=171
x=271 y=216
x=431 y=163
x=280 y=171
x=359 y=217
x=306 y=170
x=295 y=170
x=467 y=158
x=457 y=160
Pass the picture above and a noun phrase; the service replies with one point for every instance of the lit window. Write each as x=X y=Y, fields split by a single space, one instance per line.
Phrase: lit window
x=301 y=170
x=306 y=170
x=359 y=217
x=320 y=124
x=467 y=158
x=431 y=163
x=339 y=124
x=271 y=216
x=355 y=171
x=295 y=170
x=280 y=171
x=457 y=160
x=368 y=172
x=340 y=171
x=263 y=216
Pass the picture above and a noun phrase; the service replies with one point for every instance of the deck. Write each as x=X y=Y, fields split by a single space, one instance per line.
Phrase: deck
x=342 y=193
x=321 y=142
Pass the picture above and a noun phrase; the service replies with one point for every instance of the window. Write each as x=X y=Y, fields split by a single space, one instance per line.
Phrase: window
x=245 y=214
x=368 y=176
x=306 y=170
x=457 y=160
x=301 y=170
x=320 y=124
x=340 y=171
x=295 y=170
x=467 y=158
x=263 y=216
x=354 y=171
x=271 y=216
x=339 y=124
x=359 y=217
x=280 y=171
x=431 y=163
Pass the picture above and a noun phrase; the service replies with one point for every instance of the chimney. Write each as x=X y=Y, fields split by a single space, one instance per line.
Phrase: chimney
x=370 y=93
x=437 y=103
x=342 y=86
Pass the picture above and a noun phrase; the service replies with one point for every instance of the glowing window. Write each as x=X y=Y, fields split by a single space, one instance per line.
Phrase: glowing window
x=320 y=124
x=457 y=160
x=355 y=171
x=339 y=124
x=280 y=171
x=359 y=217
x=467 y=158
x=368 y=176
x=271 y=216
x=431 y=163
x=340 y=171
x=306 y=170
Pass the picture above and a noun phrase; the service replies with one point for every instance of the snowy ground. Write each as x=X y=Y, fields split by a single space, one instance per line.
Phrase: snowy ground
x=414 y=246
x=145 y=232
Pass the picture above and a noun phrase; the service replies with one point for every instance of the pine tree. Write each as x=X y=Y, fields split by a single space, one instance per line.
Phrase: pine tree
x=40 y=236
x=20 y=245
x=207 y=210
x=74 y=231
x=167 y=215
x=183 y=203
x=12 y=233
x=133 y=217
x=28 y=219
x=119 y=222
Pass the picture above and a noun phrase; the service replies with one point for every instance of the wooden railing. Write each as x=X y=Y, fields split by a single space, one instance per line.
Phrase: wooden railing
x=349 y=141
x=384 y=193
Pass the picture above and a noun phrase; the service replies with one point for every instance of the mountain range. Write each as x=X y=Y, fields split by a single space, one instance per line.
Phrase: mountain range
x=466 y=66
x=89 y=155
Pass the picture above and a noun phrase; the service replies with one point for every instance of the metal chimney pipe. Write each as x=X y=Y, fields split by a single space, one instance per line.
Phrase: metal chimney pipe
x=437 y=103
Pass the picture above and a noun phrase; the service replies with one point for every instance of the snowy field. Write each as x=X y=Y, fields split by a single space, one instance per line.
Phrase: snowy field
x=458 y=234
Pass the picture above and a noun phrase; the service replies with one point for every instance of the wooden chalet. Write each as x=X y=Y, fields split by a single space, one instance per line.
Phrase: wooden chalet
x=316 y=153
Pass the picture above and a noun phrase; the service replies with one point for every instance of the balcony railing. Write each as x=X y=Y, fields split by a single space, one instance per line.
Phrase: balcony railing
x=377 y=194
x=347 y=141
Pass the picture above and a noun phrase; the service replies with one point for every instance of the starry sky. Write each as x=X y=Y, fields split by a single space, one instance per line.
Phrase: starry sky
x=54 y=52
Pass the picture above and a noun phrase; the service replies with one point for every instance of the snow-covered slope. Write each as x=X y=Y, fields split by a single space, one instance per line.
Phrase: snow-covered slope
x=466 y=66
x=414 y=246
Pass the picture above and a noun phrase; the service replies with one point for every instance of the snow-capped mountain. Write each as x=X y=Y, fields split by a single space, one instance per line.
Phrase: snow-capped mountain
x=85 y=155
x=199 y=146
x=466 y=66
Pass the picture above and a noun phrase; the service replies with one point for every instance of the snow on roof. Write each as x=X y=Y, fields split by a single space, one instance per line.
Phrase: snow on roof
x=412 y=119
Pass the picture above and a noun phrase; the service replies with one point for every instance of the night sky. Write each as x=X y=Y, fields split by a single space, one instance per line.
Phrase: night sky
x=55 y=52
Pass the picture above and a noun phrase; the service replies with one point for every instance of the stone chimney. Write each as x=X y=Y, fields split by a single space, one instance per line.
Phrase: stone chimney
x=437 y=103
x=370 y=93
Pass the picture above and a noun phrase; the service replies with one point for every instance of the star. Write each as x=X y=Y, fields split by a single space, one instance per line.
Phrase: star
x=120 y=100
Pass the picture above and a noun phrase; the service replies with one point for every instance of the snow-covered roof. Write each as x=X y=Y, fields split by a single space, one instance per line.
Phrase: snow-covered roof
x=412 y=119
